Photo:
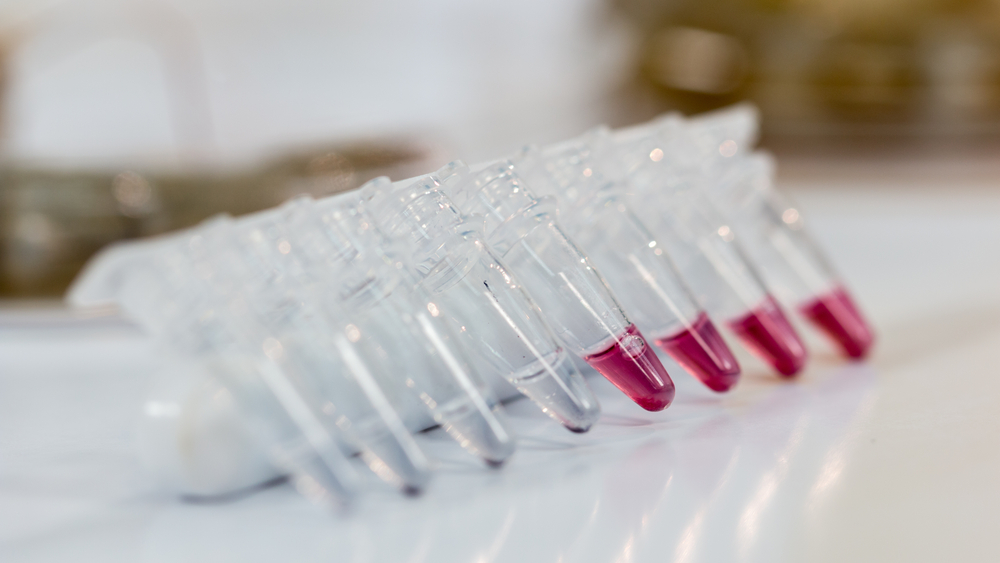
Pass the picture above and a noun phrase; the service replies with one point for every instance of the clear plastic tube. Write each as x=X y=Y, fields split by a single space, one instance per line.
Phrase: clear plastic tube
x=209 y=293
x=773 y=230
x=570 y=292
x=147 y=282
x=631 y=261
x=666 y=193
x=320 y=346
x=503 y=329
x=391 y=326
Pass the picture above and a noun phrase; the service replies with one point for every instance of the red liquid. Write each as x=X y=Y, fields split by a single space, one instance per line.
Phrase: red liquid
x=840 y=319
x=765 y=332
x=702 y=351
x=633 y=367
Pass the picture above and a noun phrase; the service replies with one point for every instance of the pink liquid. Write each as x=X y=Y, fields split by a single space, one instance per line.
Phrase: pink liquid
x=702 y=351
x=765 y=331
x=633 y=367
x=840 y=319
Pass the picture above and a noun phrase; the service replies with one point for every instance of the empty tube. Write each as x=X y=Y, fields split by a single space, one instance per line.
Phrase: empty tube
x=773 y=230
x=321 y=346
x=155 y=287
x=570 y=292
x=665 y=191
x=390 y=325
x=636 y=267
x=501 y=326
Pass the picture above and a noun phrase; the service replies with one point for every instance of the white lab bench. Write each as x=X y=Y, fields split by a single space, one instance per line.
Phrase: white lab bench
x=893 y=459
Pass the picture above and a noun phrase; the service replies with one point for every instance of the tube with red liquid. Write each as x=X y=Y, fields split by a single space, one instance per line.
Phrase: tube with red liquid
x=742 y=186
x=665 y=189
x=592 y=209
x=572 y=295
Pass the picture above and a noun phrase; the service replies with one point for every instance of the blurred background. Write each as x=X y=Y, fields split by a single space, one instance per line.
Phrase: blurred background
x=127 y=118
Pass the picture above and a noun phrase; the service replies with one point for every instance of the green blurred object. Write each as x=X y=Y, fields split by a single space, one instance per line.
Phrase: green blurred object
x=51 y=221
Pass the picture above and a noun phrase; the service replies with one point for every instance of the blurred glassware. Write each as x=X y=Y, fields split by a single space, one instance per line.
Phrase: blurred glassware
x=52 y=221
x=827 y=71
x=58 y=209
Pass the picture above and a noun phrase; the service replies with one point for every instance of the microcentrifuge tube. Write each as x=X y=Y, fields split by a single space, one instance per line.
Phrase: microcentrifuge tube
x=504 y=332
x=666 y=194
x=567 y=288
x=741 y=183
x=594 y=210
x=391 y=325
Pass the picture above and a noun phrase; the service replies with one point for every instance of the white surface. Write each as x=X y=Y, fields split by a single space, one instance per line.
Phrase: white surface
x=893 y=459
